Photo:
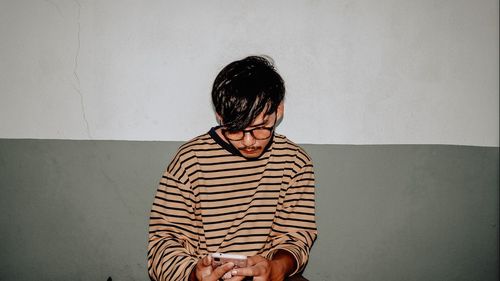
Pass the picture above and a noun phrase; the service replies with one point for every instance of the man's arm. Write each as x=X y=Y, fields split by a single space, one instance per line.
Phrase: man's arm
x=294 y=230
x=173 y=231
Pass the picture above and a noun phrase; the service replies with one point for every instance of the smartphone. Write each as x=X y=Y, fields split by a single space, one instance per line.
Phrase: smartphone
x=219 y=259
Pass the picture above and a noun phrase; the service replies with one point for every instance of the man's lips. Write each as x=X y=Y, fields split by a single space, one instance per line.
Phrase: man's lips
x=250 y=150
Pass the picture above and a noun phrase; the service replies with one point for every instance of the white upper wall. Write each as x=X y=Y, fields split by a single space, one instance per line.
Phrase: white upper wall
x=357 y=72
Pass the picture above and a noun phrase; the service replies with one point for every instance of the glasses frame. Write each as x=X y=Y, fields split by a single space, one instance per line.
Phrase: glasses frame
x=270 y=129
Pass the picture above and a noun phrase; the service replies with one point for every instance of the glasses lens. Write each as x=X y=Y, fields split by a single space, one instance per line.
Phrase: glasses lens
x=234 y=135
x=261 y=134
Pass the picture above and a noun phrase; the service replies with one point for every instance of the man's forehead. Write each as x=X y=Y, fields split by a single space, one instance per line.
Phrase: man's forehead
x=261 y=119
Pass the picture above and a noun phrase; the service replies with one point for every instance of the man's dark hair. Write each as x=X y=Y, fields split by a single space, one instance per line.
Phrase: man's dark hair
x=244 y=88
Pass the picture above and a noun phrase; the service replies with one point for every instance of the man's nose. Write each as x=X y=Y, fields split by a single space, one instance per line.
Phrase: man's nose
x=248 y=139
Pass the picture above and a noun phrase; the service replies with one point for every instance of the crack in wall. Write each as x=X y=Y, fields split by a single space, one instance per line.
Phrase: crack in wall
x=75 y=73
x=55 y=6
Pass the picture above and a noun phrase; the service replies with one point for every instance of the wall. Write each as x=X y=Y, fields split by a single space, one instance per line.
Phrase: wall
x=396 y=101
x=363 y=72
x=78 y=210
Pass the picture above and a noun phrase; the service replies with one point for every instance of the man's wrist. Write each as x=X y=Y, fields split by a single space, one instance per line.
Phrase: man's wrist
x=283 y=263
x=192 y=275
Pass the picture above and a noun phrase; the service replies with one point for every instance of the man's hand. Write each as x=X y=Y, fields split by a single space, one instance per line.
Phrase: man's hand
x=263 y=269
x=203 y=270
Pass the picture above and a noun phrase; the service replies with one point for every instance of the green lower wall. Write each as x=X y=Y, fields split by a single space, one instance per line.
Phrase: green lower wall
x=78 y=210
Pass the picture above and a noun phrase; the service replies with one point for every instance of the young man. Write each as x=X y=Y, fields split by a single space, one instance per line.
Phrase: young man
x=238 y=189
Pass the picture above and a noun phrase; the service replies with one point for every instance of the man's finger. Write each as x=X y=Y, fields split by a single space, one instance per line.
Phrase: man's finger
x=221 y=270
x=207 y=260
x=245 y=271
x=236 y=278
x=253 y=260
x=227 y=275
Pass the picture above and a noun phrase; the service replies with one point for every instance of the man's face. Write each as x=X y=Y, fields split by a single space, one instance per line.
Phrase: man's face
x=250 y=146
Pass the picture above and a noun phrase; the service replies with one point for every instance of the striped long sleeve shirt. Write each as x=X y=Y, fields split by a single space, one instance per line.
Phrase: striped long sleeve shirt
x=210 y=199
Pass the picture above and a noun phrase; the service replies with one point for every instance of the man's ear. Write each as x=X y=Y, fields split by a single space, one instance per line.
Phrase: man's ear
x=219 y=119
x=280 y=112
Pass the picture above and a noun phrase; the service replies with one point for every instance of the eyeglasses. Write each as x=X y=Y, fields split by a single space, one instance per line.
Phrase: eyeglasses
x=259 y=133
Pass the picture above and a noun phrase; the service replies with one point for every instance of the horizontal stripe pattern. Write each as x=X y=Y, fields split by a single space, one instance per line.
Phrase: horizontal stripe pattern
x=210 y=200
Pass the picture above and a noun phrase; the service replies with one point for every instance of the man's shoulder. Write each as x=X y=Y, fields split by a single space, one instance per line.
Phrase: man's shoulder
x=281 y=142
x=186 y=152
x=201 y=142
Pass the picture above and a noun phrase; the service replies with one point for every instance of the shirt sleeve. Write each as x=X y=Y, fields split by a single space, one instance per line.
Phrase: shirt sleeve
x=173 y=231
x=294 y=229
